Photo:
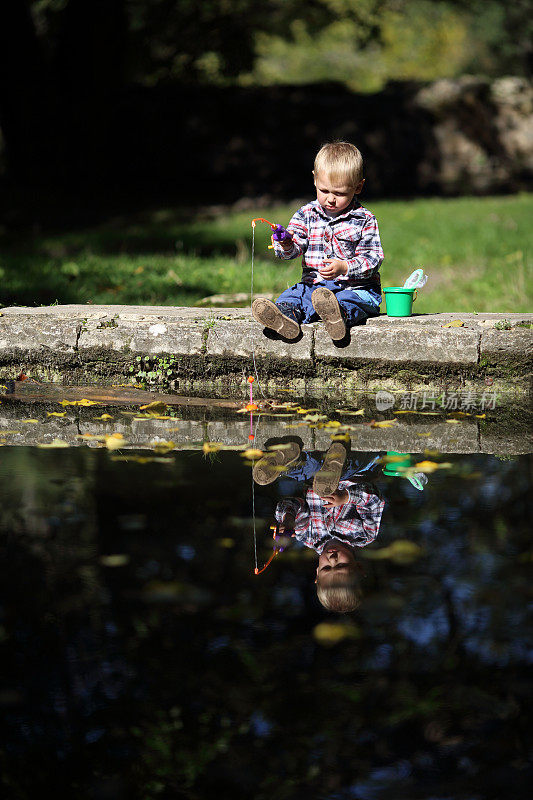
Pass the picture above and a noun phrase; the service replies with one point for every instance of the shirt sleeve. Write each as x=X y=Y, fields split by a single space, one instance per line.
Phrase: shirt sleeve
x=368 y=254
x=294 y=506
x=299 y=231
x=369 y=505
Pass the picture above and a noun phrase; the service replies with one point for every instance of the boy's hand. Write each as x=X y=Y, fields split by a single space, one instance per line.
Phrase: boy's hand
x=332 y=268
x=287 y=525
x=338 y=498
x=282 y=235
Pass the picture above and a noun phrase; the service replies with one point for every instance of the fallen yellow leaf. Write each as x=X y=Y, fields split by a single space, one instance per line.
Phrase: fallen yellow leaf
x=453 y=421
x=358 y=413
x=431 y=466
x=157 y=406
x=252 y=453
x=386 y=423
x=456 y=323
x=163 y=447
x=402 y=551
x=78 y=402
x=329 y=633
x=29 y=420
x=114 y=560
x=56 y=413
x=54 y=444
x=340 y=437
x=114 y=441
x=143 y=459
x=104 y=416
x=211 y=447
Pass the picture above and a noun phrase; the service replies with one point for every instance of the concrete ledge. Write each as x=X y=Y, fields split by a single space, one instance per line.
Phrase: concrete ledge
x=211 y=351
x=403 y=343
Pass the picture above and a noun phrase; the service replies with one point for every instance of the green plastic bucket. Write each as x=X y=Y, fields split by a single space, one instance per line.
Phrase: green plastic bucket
x=399 y=301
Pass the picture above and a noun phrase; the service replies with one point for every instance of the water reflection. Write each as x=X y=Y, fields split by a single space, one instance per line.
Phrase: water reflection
x=141 y=656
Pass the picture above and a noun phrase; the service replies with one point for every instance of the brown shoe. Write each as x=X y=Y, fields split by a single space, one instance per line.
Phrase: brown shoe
x=326 y=480
x=274 y=462
x=268 y=314
x=328 y=309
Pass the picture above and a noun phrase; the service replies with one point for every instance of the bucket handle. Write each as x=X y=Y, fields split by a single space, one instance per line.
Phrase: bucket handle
x=415 y=295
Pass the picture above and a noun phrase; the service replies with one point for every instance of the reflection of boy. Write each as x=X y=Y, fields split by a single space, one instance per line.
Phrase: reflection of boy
x=334 y=525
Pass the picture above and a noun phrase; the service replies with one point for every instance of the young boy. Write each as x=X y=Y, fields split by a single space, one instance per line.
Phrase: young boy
x=340 y=513
x=339 y=241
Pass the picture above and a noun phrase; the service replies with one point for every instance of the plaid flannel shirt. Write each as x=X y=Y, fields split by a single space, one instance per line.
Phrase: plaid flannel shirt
x=352 y=236
x=355 y=523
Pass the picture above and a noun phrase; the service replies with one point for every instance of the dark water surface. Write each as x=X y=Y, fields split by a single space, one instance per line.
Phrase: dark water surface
x=142 y=658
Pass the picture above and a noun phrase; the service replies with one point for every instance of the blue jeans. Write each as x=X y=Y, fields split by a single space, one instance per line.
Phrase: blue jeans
x=356 y=464
x=357 y=304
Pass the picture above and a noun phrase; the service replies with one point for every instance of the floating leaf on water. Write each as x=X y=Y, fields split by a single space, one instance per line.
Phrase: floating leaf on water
x=453 y=421
x=114 y=560
x=282 y=446
x=386 y=423
x=83 y=402
x=391 y=459
x=330 y=633
x=103 y=417
x=340 y=437
x=431 y=453
x=211 y=447
x=314 y=417
x=143 y=459
x=252 y=453
x=56 y=413
x=54 y=444
x=163 y=447
x=332 y=423
x=157 y=406
x=29 y=420
x=269 y=414
x=114 y=441
x=359 y=413
x=226 y=543
x=431 y=466
x=480 y=416
x=402 y=551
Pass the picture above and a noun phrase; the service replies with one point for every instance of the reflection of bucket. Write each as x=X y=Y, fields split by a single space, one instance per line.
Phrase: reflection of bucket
x=399 y=301
x=396 y=468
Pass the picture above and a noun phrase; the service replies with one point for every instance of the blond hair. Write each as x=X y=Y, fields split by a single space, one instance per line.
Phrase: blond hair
x=339 y=596
x=340 y=162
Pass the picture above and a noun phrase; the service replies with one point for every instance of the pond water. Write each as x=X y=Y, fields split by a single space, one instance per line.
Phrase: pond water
x=142 y=657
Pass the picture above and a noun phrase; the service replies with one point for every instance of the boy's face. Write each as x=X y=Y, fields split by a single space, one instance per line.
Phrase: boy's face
x=334 y=196
x=336 y=560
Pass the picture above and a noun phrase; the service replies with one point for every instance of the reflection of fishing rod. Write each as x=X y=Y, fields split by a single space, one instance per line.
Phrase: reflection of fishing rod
x=277 y=549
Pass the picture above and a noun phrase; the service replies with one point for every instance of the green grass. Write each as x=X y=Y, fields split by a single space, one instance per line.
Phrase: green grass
x=476 y=251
